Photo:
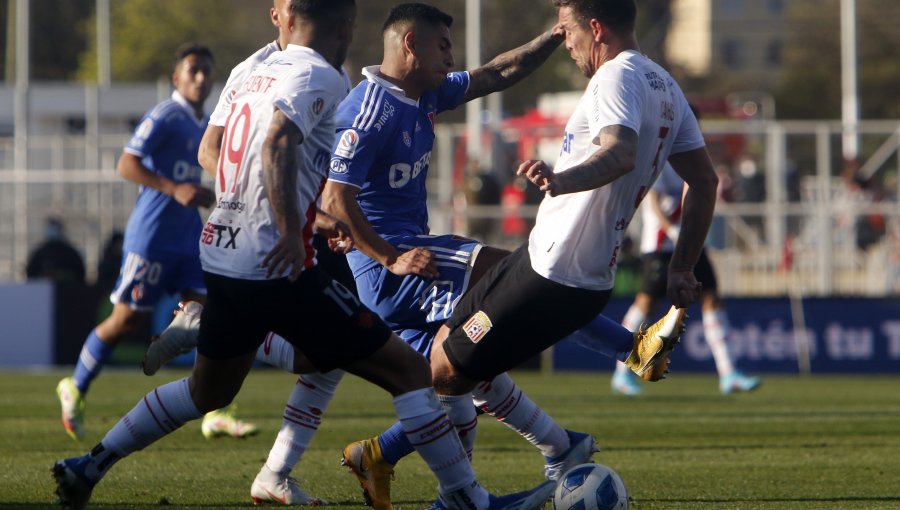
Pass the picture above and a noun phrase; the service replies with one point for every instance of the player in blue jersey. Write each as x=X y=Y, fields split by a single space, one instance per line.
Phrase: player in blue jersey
x=160 y=247
x=410 y=278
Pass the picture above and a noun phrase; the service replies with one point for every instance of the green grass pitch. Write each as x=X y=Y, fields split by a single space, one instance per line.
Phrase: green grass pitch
x=821 y=442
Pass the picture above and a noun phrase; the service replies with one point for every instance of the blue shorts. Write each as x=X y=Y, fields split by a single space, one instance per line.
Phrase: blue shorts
x=143 y=282
x=415 y=307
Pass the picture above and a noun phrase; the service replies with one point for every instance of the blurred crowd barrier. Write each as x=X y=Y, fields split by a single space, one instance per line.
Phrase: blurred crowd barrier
x=793 y=218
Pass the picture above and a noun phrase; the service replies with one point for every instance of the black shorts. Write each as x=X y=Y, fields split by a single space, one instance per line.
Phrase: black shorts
x=316 y=314
x=513 y=313
x=656 y=273
x=335 y=264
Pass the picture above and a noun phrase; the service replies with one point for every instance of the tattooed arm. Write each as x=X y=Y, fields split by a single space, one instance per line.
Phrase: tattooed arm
x=614 y=159
x=279 y=158
x=510 y=67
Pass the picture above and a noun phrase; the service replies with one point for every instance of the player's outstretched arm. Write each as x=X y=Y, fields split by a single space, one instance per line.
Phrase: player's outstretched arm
x=210 y=146
x=279 y=157
x=508 y=68
x=614 y=158
x=187 y=194
x=699 y=205
x=339 y=200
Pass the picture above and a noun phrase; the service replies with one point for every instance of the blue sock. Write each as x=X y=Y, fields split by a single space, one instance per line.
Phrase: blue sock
x=94 y=354
x=394 y=444
x=605 y=336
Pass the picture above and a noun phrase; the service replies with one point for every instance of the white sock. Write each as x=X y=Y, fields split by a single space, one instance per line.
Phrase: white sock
x=464 y=418
x=715 y=330
x=278 y=352
x=302 y=416
x=161 y=412
x=634 y=317
x=505 y=401
x=429 y=431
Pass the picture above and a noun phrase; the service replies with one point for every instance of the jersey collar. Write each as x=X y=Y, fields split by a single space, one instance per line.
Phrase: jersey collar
x=371 y=73
x=178 y=98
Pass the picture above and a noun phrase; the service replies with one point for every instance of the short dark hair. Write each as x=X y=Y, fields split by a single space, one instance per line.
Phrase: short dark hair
x=417 y=12
x=617 y=14
x=324 y=11
x=192 y=48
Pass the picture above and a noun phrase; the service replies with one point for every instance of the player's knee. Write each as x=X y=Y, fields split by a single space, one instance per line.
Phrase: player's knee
x=416 y=376
x=209 y=399
x=443 y=375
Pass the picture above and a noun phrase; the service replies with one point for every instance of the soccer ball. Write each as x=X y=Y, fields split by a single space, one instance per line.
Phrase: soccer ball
x=590 y=487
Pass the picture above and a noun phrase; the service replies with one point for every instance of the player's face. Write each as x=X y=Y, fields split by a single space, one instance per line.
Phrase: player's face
x=434 y=54
x=193 y=78
x=579 y=40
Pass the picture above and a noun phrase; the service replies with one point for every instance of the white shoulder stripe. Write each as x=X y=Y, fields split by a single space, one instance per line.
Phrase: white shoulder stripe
x=369 y=108
x=362 y=106
x=372 y=113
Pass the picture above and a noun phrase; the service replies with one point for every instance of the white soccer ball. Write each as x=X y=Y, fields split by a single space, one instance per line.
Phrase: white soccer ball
x=590 y=487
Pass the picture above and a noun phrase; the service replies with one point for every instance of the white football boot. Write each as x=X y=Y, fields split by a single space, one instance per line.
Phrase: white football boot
x=270 y=487
x=180 y=337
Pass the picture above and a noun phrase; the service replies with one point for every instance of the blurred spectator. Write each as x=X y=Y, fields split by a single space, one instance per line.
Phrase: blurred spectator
x=751 y=184
x=108 y=273
x=56 y=258
x=855 y=195
x=482 y=189
x=110 y=262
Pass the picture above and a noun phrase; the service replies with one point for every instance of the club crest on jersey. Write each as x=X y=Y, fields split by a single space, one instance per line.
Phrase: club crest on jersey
x=137 y=292
x=346 y=147
x=407 y=140
x=142 y=132
x=477 y=326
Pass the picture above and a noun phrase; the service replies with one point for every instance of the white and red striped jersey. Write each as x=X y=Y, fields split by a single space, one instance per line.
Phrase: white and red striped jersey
x=241 y=229
x=668 y=189
x=577 y=236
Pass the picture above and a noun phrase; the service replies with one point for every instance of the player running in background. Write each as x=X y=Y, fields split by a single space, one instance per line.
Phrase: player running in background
x=630 y=119
x=661 y=219
x=265 y=277
x=161 y=254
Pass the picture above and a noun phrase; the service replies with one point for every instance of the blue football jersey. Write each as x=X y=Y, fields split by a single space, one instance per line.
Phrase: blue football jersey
x=383 y=147
x=167 y=140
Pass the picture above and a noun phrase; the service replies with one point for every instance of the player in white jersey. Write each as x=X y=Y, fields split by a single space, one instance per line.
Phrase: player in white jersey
x=261 y=275
x=631 y=119
x=661 y=221
x=313 y=392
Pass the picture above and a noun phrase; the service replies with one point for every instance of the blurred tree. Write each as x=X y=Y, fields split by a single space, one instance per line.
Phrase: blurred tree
x=56 y=39
x=813 y=60
x=145 y=33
